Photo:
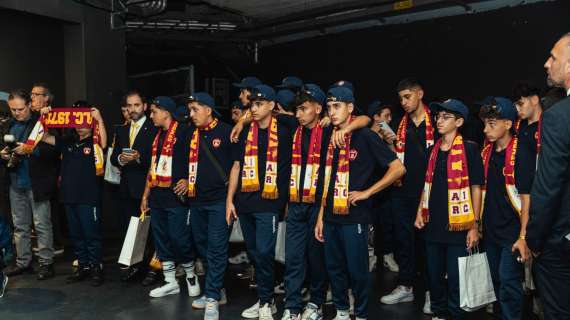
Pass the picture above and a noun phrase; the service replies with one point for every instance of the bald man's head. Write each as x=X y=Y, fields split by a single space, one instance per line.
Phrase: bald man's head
x=558 y=64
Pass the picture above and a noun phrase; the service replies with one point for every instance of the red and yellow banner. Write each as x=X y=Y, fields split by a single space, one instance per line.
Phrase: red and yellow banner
x=68 y=118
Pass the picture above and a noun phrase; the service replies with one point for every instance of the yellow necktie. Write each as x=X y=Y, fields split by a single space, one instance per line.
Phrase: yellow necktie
x=133 y=134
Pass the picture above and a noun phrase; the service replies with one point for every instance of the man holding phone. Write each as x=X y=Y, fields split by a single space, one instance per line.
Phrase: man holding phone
x=132 y=155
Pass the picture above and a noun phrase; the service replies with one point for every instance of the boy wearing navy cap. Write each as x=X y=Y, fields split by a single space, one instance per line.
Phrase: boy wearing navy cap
x=505 y=205
x=285 y=99
x=345 y=208
x=82 y=166
x=209 y=168
x=449 y=207
x=245 y=86
x=309 y=142
x=261 y=171
x=165 y=197
x=295 y=84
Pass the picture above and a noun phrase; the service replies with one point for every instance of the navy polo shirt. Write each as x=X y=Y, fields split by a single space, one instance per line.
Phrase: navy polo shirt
x=252 y=202
x=415 y=160
x=210 y=185
x=292 y=123
x=501 y=223
x=437 y=229
x=79 y=181
x=161 y=197
x=528 y=140
x=367 y=153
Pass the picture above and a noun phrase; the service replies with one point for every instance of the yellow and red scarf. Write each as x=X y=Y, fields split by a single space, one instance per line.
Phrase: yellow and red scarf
x=194 y=153
x=403 y=131
x=161 y=170
x=340 y=191
x=508 y=172
x=311 y=169
x=460 y=206
x=250 y=173
x=40 y=128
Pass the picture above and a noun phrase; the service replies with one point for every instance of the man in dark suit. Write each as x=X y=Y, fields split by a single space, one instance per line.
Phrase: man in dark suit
x=548 y=230
x=132 y=155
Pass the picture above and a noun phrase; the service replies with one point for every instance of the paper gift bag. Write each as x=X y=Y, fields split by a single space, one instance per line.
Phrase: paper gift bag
x=135 y=241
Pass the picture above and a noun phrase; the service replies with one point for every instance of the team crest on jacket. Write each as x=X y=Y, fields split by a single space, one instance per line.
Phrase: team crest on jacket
x=87 y=151
x=353 y=154
x=216 y=143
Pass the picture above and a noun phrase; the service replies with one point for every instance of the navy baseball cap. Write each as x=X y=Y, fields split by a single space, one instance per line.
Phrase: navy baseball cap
x=373 y=108
x=341 y=94
x=262 y=92
x=344 y=84
x=205 y=99
x=315 y=92
x=237 y=105
x=285 y=98
x=505 y=108
x=165 y=103
x=247 y=83
x=182 y=113
x=291 y=82
x=451 y=105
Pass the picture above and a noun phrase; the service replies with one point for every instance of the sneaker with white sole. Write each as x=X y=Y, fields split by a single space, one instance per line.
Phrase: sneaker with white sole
x=399 y=295
x=253 y=311
x=342 y=315
x=200 y=303
x=3 y=283
x=266 y=312
x=212 y=312
x=390 y=263
x=167 y=289
x=427 y=304
x=193 y=286
x=312 y=312
x=287 y=315
x=239 y=258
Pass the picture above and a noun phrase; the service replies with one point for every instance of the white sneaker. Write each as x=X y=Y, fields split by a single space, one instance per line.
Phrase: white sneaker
x=342 y=315
x=390 y=263
x=266 y=312
x=399 y=295
x=211 y=312
x=288 y=316
x=201 y=302
x=427 y=304
x=239 y=258
x=253 y=311
x=193 y=286
x=167 y=289
x=312 y=312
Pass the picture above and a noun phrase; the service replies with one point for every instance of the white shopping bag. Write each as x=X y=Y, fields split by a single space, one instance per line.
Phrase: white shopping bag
x=280 y=243
x=236 y=236
x=475 y=283
x=135 y=241
x=112 y=173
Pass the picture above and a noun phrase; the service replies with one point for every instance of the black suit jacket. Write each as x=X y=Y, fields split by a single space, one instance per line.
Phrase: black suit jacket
x=133 y=174
x=549 y=220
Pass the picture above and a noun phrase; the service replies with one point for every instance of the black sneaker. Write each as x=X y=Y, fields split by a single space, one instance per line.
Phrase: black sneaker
x=46 y=272
x=96 y=276
x=3 y=283
x=152 y=277
x=79 y=274
x=15 y=270
x=129 y=273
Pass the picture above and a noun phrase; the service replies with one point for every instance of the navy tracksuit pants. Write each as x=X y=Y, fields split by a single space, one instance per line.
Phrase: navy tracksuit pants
x=85 y=233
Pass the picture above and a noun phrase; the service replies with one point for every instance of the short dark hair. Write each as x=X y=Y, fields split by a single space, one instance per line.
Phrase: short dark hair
x=129 y=93
x=408 y=84
x=488 y=112
x=524 y=89
x=20 y=94
x=385 y=106
x=44 y=85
